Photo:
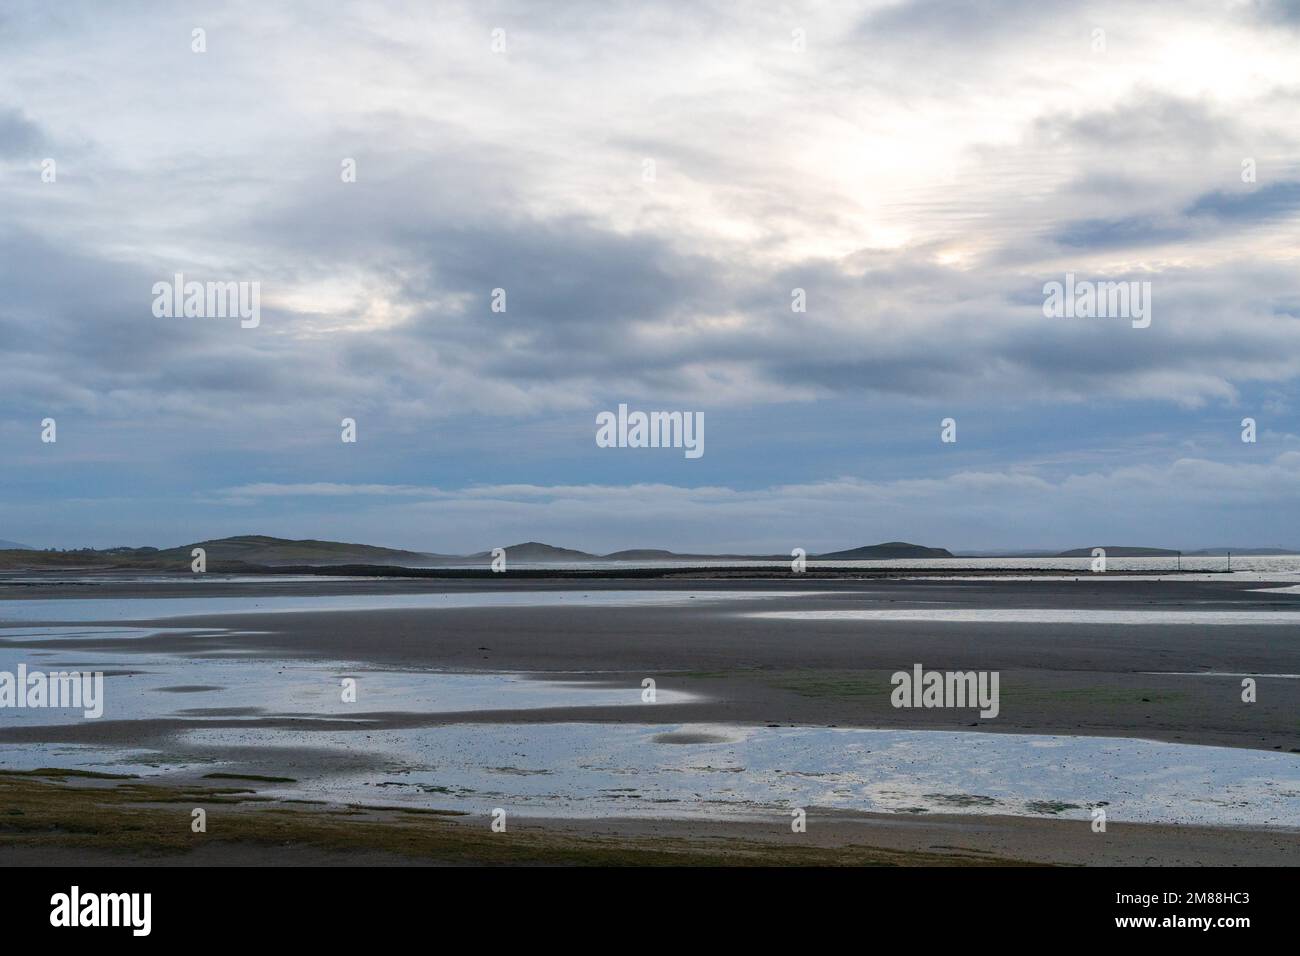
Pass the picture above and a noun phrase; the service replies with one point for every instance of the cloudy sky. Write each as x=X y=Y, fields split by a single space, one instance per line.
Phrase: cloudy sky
x=649 y=182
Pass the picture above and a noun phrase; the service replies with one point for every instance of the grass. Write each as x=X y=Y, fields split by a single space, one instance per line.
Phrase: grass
x=139 y=822
x=62 y=774
x=834 y=683
x=1050 y=806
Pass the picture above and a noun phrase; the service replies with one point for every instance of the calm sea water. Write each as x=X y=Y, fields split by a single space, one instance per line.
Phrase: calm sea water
x=1281 y=565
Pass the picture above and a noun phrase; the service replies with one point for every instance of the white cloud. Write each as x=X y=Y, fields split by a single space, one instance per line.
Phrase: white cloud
x=1132 y=505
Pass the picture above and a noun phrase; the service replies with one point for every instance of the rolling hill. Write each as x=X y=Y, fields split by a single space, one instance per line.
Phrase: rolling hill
x=889 y=551
x=252 y=550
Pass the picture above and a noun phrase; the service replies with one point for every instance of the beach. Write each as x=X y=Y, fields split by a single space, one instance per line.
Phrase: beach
x=770 y=693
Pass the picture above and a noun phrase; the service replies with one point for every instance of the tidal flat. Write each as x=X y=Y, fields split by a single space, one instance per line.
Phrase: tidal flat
x=675 y=710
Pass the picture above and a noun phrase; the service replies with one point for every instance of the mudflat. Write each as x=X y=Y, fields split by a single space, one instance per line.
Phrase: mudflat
x=1130 y=680
x=1146 y=659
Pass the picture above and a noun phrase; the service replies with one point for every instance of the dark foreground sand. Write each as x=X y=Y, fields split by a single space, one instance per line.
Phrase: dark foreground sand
x=55 y=820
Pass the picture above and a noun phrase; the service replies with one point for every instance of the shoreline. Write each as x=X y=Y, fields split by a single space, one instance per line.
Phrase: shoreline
x=773 y=571
x=141 y=823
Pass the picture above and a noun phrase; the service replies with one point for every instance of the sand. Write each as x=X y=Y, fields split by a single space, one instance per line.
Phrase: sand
x=1079 y=679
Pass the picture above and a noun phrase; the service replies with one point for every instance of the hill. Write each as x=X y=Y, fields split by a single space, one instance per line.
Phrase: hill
x=268 y=551
x=241 y=550
x=888 y=551
x=251 y=551
x=536 y=551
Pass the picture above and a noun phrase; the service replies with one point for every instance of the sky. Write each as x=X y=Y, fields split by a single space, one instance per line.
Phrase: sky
x=650 y=184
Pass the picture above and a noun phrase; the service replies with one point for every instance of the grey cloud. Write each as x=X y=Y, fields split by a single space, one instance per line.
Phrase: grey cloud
x=1145 y=118
x=20 y=138
x=1278 y=11
x=1117 y=233
x=1240 y=209
x=1271 y=201
x=968 y=23
x=445 y=210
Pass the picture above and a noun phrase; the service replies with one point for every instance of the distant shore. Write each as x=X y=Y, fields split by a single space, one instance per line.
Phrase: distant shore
x=685 y=572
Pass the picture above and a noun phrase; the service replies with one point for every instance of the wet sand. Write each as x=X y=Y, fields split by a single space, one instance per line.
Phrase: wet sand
x=1078 y=679
x=1094 y=679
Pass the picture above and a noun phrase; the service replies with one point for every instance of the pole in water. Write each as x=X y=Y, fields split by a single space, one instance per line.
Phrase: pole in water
x=1229 y=560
